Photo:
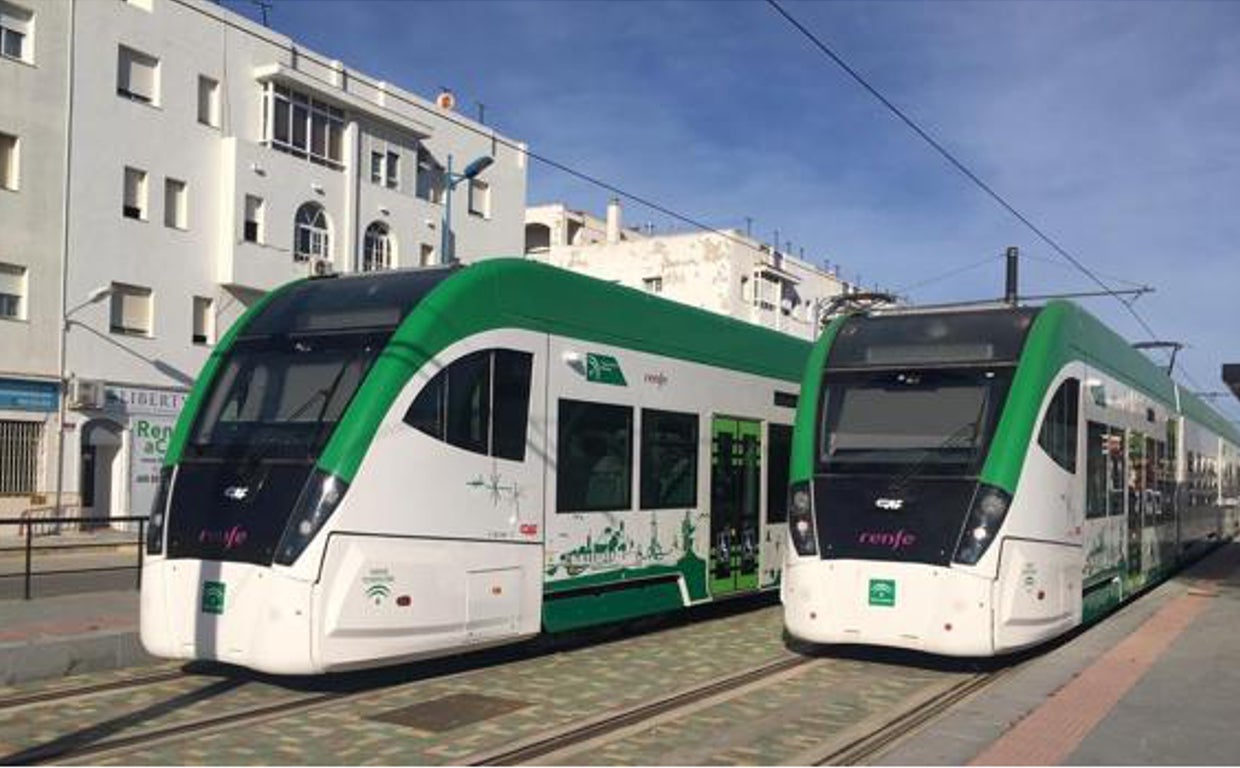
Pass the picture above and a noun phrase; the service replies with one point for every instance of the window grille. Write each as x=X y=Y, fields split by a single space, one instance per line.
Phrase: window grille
x=19 y=457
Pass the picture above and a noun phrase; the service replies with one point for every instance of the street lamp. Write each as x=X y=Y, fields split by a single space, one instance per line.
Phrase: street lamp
x=94 y=297
x=447 y=248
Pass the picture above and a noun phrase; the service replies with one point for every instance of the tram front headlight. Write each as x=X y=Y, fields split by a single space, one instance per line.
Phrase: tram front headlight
x=990 y=507
x=317 y=502
x=801 y=519
x=155 y=522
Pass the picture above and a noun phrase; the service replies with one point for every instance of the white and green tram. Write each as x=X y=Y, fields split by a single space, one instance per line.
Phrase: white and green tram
x=974 y=482
x=393 y=466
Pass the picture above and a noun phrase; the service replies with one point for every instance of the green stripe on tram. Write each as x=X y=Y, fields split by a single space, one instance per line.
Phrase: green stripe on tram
x=515 y=293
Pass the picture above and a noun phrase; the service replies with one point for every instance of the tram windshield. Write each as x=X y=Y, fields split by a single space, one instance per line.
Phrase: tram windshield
x=281 y=397
x=293 y=370
x=927 y=421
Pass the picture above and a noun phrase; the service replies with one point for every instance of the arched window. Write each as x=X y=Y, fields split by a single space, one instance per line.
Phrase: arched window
x=311 y=233
x=377 y=248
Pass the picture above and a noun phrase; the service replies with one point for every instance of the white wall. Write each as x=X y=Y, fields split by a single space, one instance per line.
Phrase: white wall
x=220 y=165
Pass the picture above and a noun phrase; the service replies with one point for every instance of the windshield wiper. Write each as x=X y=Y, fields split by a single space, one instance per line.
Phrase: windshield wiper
x=964 y=434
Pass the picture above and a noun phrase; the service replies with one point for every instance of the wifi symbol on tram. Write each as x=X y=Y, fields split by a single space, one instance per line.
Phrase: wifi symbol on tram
x=378 y=592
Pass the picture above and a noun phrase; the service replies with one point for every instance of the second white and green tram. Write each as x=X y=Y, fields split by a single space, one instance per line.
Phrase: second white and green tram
x=394 y=466
x=970 y=483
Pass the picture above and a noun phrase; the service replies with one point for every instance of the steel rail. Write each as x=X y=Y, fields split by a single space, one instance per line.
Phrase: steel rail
x=55 y=751
x=27 y=699
x=609 y=722
x=905 y=722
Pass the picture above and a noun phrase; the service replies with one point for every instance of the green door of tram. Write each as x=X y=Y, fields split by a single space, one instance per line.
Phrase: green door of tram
x=735 y=477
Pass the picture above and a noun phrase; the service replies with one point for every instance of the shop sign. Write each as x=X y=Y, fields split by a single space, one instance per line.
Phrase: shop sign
x=25 y=395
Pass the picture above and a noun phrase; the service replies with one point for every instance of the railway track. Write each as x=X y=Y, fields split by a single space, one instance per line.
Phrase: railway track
x=93 y=744
x=609 y=722
x=852 y=748
x=876 y=738
x=82 y=691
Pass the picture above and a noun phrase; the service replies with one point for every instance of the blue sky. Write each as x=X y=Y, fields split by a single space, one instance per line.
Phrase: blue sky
x=1114 y=126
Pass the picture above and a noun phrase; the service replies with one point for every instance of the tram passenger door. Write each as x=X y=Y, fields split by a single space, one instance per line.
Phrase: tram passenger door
x=736 y=471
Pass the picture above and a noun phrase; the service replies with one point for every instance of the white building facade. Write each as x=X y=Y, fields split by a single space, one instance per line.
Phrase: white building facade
x=162 y=164
x=724 y=272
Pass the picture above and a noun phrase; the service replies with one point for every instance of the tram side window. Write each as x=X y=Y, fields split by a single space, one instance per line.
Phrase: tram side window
x=669 y=459
x=1104 y=471
x=594 y=457
x=1059 y=426
x=479 y=403
x=1097 y=454
x=511 y=404
x=469 y=402
x=779 y=445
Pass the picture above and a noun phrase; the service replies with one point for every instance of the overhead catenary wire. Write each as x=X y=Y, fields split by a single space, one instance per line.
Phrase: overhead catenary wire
x=959 y=165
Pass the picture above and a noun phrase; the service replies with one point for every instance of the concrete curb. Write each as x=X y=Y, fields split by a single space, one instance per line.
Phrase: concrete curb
x=45 y=658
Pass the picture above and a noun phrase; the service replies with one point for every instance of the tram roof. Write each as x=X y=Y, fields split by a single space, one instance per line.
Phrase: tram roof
x=517 y=293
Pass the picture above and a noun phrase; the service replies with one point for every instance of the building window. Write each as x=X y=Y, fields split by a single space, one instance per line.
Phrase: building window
x=480 y=198
x=430 y=182
x=377 y=248
x=594 y=461
x=1059 y=425
x=12 y=292
x=480 y=403
x=426 y=256
x=204 y=320
x=311 y=233
x=19 y=445
x=134 y=206
x=302 y=126
x=767 y=290
x=653 y=284
x=16 y=32
x=376 y=167
x=137 y=76
x=176 y=211
x=669 y=459
x=131 y=310
x=208 y=101
x=9 y=167
x=254 y=213
x=392 y=170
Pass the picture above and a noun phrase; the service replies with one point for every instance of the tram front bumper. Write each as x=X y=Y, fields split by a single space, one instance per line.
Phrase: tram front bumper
x=902 y=605
x=237 y=613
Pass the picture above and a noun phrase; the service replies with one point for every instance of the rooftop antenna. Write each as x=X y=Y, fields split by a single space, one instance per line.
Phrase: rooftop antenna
x=482 y=112
x=263 y=7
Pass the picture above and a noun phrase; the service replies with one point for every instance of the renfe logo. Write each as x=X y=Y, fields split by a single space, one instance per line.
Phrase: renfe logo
x=228 y=539
x=896 y=540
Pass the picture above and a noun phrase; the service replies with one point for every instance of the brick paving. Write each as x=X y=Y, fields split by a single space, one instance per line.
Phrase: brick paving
x=764 y=722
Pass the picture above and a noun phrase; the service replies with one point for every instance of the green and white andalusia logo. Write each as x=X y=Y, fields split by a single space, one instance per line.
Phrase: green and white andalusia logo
x=882 y=592
x=213 y=597
x=604 y=369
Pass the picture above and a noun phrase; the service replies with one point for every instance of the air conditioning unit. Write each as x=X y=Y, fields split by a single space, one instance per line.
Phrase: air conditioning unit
x=86 y=394
x=320 y=267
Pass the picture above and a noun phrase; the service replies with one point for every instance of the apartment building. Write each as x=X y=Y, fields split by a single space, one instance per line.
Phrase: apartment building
x=724 y=272
x=162 y=164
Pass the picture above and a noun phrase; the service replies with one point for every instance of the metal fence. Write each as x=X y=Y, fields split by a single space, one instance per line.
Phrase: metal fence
x=35 y=529
x=19 y=456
